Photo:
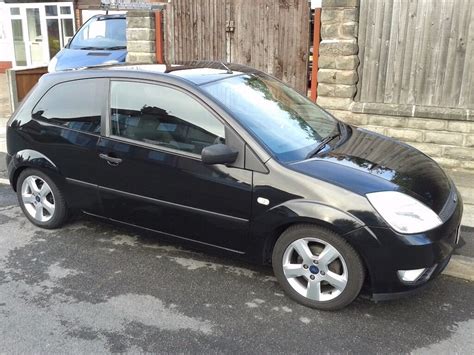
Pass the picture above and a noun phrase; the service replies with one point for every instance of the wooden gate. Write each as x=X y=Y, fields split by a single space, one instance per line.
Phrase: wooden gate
x=269 y=35
x=195 y=30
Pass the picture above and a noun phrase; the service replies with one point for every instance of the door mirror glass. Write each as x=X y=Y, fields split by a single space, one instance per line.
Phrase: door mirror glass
x=218 y=154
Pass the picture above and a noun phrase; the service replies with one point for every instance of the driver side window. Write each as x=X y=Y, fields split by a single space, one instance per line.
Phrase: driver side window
x=162 y=116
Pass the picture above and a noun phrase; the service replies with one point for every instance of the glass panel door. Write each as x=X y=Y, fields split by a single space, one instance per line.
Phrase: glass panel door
x=68 y=29
x=40 y=30
x=35 y=39
x=18 y=42
x=53 y=37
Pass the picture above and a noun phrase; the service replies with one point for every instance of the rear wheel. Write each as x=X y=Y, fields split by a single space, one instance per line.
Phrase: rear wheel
x=317 y=268
x=41 y=200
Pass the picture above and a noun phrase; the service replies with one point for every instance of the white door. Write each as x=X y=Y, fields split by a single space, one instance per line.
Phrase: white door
x=36 y=38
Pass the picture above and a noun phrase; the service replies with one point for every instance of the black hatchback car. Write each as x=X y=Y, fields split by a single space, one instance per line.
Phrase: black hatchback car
x=231 y=159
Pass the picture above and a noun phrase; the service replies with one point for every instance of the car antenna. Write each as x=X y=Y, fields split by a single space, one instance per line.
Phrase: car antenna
x=226 y=68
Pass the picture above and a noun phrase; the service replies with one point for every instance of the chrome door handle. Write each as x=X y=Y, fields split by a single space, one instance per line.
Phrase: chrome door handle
x=110 y=160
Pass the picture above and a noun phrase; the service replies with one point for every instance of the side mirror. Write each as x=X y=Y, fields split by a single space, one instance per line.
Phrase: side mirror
x=218 y=154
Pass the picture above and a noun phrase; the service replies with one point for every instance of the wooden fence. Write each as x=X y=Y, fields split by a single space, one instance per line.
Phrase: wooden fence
x=21 y=81
x=269 y=35
x=417 y=52
x=195 y=30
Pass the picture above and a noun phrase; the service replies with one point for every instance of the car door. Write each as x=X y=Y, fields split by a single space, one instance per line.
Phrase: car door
x=152 y=174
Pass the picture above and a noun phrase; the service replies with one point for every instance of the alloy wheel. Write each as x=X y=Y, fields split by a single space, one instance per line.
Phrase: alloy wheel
x=38 y=199
x=315 y=269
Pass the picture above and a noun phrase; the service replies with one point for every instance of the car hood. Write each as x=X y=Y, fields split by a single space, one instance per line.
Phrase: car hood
x=368 y=162
x=77 y=58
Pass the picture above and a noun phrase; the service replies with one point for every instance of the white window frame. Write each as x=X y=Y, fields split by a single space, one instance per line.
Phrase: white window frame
x=44 y=29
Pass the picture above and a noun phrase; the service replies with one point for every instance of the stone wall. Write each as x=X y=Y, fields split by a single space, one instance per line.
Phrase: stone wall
x=141 y=37
x=449 y=142
x=445 y=134
x=338 y=60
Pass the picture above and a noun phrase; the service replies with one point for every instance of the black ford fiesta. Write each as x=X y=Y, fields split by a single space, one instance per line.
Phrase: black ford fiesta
x=231 y=159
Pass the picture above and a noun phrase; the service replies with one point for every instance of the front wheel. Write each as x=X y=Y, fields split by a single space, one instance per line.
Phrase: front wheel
x=40 y=199
x=317 y=268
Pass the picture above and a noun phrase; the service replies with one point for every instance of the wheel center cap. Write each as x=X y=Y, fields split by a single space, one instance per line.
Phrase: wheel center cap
x=37 y=198
x=314 y=269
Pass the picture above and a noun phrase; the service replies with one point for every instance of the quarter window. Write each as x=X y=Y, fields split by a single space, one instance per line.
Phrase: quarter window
x=162 y=116
x=74 y=104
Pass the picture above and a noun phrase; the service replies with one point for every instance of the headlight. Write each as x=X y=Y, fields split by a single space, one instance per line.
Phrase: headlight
x=404 y=213
x=52 y=65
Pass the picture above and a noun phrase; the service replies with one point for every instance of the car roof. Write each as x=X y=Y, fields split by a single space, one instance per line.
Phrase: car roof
x=198 y=72
x=110 y=16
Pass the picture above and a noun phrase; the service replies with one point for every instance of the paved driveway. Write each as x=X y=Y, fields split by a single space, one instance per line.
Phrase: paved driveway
x=94 y=287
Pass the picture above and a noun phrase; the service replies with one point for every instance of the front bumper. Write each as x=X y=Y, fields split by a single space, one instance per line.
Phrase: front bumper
x=390 y=251
x=434 y=271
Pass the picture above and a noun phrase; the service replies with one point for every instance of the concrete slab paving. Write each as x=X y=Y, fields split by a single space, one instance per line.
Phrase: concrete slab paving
x=461 y=267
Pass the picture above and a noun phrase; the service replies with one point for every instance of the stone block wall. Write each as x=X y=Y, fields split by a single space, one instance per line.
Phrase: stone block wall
x=449 y=142
x=338 y=60
x=141 y=37
x=445 y=134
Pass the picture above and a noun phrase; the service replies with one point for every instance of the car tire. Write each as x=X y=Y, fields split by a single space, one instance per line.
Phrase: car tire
x=41 y=200
x=317 y=268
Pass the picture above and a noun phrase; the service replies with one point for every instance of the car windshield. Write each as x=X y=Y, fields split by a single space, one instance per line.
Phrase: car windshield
x=287 y=123
x=101 y=33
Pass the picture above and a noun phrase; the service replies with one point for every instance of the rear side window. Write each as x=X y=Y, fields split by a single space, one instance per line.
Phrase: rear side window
x=73 y=104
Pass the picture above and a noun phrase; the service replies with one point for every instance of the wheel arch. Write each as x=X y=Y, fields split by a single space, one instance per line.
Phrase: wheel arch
x=306 y=212
x=278 y=231
x=32 y=159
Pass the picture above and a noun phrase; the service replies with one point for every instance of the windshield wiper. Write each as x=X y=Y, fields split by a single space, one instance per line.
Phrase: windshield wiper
x=91 y=48
x=113 y=48
x=322 y=144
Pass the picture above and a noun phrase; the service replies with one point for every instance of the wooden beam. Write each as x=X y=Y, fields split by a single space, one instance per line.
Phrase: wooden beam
x=316 y=40
x=159 y=36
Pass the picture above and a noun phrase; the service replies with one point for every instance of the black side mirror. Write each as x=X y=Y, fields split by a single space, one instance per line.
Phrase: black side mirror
x=218 y=154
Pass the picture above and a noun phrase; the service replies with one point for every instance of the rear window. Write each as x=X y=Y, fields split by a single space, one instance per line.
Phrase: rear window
x=74 y=104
